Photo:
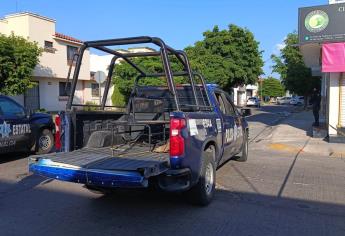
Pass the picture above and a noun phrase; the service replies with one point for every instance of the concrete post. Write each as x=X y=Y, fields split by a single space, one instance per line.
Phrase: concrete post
x=342 y=101
x=333 y=103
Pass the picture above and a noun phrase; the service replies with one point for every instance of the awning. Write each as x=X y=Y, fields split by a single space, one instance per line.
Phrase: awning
x=333 y=57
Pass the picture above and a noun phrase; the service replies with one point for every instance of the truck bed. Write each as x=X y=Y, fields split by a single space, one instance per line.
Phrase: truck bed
x=102 y=166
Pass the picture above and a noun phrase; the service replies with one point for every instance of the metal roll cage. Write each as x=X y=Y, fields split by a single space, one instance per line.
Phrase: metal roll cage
x=164 y=53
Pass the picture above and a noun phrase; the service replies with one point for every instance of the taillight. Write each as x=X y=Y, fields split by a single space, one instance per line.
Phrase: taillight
x=176 y=139
x=57 y=132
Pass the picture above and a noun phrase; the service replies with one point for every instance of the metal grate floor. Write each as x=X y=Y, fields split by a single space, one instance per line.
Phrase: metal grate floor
x=136 y=158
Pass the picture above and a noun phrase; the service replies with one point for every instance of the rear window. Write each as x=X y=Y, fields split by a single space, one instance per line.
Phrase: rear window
x=184 y=94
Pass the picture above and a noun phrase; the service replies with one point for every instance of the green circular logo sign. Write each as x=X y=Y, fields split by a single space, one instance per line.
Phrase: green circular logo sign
x=316 y=21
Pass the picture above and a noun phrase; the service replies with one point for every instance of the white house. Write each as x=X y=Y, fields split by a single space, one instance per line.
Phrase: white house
x=50 y=74
x=102 y=62
x=240 y=94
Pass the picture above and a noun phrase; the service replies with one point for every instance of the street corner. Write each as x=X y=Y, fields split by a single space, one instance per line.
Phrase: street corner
x=337 y=154
x=319 y=147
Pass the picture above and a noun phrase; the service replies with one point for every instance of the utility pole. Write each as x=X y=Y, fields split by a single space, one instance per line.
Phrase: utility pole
x=261 y=87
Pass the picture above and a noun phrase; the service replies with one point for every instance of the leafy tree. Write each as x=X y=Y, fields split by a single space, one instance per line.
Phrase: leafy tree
x=117 y=98
x=296 y=77
x=227 y=57
x=125 y=75
x=271 y=87
x=18 y=58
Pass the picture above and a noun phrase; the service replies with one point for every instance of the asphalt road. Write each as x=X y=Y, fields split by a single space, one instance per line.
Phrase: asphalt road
x=265 y=117
x=253 y=198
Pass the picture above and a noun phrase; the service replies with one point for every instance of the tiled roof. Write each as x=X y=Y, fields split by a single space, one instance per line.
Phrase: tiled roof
x=66 y=37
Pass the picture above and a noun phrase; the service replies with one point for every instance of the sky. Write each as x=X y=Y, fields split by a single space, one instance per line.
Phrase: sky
x=178 y=22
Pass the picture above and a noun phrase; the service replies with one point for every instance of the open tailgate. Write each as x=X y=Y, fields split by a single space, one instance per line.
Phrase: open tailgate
x=100 y=167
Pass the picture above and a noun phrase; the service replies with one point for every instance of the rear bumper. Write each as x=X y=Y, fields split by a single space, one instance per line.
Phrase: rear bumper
x=101 y=178
x=171 y=180
x=175 y=180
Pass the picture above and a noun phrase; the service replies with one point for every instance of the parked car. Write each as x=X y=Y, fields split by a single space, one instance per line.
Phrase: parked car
x=297 y=101
x=22 y=131
x=253 y=101
x=283 y=100
x=173 y=137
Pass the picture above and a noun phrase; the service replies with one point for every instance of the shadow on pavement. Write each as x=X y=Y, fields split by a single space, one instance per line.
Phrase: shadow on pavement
x=8 y=157
x=265 y=114
x=292 y=116
x=67 y=209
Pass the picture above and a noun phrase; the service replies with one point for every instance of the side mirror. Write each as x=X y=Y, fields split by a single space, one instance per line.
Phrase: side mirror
x=246 y=112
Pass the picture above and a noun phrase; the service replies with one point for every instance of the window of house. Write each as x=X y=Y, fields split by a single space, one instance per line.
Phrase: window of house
x=92 y=75
x=95 y=90
x=71 y=50
x=64 y=89
x=49 y=47
x=48 y=44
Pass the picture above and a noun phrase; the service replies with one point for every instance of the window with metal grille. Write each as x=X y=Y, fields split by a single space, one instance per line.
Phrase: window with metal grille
x=64 y=90
x=95 y=90
x=71 y=50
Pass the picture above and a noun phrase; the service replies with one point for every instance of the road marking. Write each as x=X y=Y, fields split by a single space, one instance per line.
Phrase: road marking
x=284 y=147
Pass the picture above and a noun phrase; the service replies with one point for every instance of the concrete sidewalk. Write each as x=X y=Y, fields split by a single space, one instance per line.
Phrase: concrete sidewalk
x=294 y=134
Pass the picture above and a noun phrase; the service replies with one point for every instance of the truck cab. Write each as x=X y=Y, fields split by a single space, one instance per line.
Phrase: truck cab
x=173 y=136
x=21 y=131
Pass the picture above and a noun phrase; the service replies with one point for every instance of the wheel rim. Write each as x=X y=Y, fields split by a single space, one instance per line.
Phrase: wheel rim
x=44 y=142
x=209 y=178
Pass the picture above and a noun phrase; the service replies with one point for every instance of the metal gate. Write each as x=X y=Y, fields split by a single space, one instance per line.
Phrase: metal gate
x=32 y=98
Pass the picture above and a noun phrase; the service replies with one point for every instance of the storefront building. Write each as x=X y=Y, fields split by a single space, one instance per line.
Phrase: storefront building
x=322 y=43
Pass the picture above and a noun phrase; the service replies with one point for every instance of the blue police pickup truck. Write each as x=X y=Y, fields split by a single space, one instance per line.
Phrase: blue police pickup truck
x=21 y=132
x=173 y=137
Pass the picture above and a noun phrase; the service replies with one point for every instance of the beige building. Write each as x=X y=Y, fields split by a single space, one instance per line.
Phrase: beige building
x=332 y=113
x=56 y=59
x=102 y=63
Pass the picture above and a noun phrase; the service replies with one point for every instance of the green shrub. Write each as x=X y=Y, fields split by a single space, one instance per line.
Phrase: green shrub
x=90 y=106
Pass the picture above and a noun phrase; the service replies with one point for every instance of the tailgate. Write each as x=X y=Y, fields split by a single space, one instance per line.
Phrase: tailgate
x=101 y=167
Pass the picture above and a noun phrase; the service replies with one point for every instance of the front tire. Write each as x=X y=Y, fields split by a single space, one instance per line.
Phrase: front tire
x=202 y=193
x=45 y=142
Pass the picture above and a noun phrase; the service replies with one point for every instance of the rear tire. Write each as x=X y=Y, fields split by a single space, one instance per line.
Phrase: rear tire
x=202 y=193
x=45 y=142
x=244 y=153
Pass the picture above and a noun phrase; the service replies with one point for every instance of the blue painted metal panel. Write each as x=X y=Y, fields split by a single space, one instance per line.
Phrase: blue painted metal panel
x=99 y=178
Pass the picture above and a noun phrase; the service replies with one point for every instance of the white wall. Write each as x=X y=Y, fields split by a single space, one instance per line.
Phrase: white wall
x=333 y=103
x=39 y=29
x=53 y=67
x=16 y=23
x=242 y=95
x=49 y=88
x=101 y=63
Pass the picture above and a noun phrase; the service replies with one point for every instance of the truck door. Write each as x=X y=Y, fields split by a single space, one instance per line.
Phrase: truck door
x=228 y=123
x=15 y=130
x=238 y=131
